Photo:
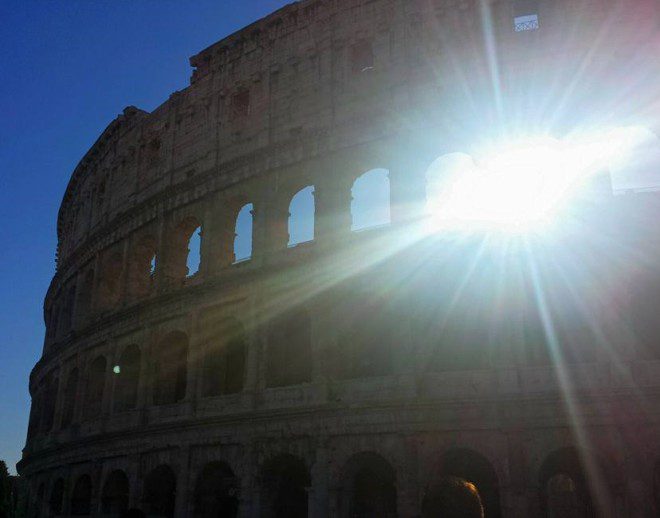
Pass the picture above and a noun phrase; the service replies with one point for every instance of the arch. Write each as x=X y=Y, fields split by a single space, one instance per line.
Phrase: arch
x=49 y=402
x=366 y=340
x=470 y=466
x=66 y=317
x=441 y=176
x=85 y=297
x=171 y=368
x=35 y=414
x=110 y=283
x=370 y=205
x=160 y=492
x=184 y=254
x=656 y=487
x=452 y=497
x=39 y=502
x=289 y=352
x=142 y=266
x=216 y=492
x=243 y=231
x=564 y=488
x=369 y=486
x=70 y=393
x=81 y=496
x=95 y=388
x=194 y=259
x=301 y=216
x=114 y=498
x=56 y=500
x=127 y=379
x=225 y=359
x=285 y=482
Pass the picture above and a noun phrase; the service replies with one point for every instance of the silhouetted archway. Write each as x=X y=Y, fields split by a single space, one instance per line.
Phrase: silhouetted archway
x=656 y=488
x=127 y=379
x=564 y=488
x=95 y=388
x=301 y=216
x=216 y=492
x=160 y=492
x=371 y=200
x=81 y=497
x=70 y=393
x=224 y=357
x=472 y=467
x=289 y=353
x=114 y=499
x=56 y=501
x=369 y=487
x=285 y=482
x=171 y=366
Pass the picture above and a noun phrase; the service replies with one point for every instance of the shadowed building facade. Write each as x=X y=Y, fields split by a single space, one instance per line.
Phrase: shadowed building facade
x=239 y=327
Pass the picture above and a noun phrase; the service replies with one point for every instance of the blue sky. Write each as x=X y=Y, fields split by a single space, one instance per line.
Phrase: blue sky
x=67 y=69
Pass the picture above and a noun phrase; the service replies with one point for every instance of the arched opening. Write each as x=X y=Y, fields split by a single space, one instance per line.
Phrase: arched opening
x=84 y=304
x=285 y=482
x=95 y=388
x=81 y=497
x=110 y=285
x=370 y=205
x=194 y=252
x=66 y=318
x=441 y=177
x=367 y=339
x=70 y=393
x=216 y=492
x=656 y=488
x=301 y=216
x=160 y=492
x=171 y=366
x=452 y=496
x=289 y=353
x=127 y=379
x=39 y=500
x=184 y=257
x=56 y=500
x=466 y=466
x=143 y=267
x=243 y=234
x=114 y=499
x=564 y=488
x=370 y=487
x=225 y=358
x=49 y=402
x=35 y=414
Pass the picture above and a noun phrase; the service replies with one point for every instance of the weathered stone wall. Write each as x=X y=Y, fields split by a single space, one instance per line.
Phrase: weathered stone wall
x=317 y=94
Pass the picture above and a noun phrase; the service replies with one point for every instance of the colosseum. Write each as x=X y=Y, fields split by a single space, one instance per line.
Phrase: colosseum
x=252 y=316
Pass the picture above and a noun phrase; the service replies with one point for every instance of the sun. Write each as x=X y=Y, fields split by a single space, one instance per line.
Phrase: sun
x=523 y=185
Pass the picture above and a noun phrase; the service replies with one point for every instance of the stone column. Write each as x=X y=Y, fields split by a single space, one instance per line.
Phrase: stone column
x=332 y=195
x=407 y=188
x=134 y=481
x=195 y=360
x=318 y=493
x=182 y=477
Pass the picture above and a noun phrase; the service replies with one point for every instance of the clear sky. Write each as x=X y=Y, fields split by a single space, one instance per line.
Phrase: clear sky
x=67 y=69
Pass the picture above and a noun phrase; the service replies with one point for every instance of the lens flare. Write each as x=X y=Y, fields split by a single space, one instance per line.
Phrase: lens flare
x=521 y=185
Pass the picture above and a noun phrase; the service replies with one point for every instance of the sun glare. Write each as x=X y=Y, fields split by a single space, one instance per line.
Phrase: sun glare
x=521 y=185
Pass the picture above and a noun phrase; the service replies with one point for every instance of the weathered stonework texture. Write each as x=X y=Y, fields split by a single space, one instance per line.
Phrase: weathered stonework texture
x=340 y=377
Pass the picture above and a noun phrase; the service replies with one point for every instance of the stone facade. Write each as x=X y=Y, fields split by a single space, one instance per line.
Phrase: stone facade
x=319 y=379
